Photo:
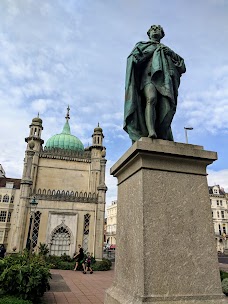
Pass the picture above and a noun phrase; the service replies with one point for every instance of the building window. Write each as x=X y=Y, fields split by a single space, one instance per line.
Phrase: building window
x=0 y=198
x=215 y=191
x=224 y=229
x=220 y=203
x=217 y=203
x=36 y=228
x=6 y=198
x=3 y=216
x=212 y=214
x=86 y=232
x=219 y=226
x=9 y=185
x=60 y=242
x=12 y=199
x=9 y=217
x=222 y=214
x=218 y=214
x=1 y=236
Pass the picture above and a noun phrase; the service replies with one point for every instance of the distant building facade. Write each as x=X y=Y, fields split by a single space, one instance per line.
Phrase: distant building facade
x=219 y=208
x=9 y=195
x=68 y=182
x=111 y=223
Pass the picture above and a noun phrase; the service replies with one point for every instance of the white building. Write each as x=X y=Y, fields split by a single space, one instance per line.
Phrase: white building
x=111 y=223
x=219 y=200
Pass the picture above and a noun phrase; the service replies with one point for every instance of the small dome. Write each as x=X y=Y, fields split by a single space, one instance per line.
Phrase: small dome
x=65 y=140
x=37 y=119
x=98 y=128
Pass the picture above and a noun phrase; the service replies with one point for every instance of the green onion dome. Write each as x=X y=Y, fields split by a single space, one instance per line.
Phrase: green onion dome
x=65 y=140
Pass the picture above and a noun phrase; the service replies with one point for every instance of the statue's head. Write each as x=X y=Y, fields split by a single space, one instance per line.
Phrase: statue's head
x=156 y=31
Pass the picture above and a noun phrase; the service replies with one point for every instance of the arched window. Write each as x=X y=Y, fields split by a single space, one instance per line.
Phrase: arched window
x=12 y=199
x=6 y=198
x=60 y=241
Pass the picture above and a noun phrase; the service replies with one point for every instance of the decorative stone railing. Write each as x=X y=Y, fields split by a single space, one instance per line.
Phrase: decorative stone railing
x=65 y=154
x=57 y=195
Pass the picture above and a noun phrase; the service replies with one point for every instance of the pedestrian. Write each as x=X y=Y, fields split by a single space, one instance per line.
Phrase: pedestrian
x=2 y=251
x=79 y=258
x=88 y=264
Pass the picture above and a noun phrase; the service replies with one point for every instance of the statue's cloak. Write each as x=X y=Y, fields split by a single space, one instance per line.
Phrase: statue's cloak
x=165 y=75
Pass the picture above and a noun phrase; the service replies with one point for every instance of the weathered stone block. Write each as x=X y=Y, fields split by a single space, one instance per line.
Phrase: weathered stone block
x=165 y=239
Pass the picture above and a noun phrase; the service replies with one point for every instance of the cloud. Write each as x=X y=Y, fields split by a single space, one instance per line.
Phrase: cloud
x=205 y=109
x=218 y=178
x=55 y=53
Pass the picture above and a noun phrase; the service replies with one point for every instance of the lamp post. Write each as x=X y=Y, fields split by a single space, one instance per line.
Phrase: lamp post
x=33 y=205
x=186 y=134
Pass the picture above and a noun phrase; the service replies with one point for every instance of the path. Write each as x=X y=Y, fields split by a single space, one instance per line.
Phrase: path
x=74 y=287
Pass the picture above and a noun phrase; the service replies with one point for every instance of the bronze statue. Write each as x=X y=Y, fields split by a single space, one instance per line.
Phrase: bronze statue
x=151 y=88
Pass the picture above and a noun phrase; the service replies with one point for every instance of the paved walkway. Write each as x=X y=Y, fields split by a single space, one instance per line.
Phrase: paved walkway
x=77 y=288
x=74 y=287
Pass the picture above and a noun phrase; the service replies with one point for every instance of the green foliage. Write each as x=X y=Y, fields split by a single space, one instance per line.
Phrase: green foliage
x=65 y=262
x=225 y=286
x=103 y=265
x=66 y=258
x=24 y=276
x=43 y=249
x=223 y=275
x=13 y=300
x=66 y=265
x=56 y=261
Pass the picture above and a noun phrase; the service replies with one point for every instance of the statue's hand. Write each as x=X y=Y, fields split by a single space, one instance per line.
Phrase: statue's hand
x=167 y=51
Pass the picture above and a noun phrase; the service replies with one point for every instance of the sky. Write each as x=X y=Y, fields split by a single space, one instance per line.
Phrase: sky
x=60 y=52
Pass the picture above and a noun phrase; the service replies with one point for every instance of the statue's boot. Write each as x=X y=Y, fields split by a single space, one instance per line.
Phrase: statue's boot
x=150 y=117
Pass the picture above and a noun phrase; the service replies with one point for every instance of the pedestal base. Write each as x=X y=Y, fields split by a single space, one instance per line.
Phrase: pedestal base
x=117 y=296
x=165 y=237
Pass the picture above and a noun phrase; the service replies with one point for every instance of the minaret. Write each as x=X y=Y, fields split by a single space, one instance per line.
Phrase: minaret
x=96 y=151
x=98 y=136
x=97 y=184
x=35 y=137
x=35 y=133
x=28 y=180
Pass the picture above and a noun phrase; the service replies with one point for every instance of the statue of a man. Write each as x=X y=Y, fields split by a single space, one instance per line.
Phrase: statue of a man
x=152 y=81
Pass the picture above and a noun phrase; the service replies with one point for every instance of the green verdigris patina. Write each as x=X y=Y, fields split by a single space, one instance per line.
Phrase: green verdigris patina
x=151 y=88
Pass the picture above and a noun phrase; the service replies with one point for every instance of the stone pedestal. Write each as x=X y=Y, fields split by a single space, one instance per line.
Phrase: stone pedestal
x=165 y=239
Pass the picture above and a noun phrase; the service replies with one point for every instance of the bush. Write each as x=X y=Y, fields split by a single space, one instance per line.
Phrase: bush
x=56 y=261
x=65 y=262
x=13 y=300
x=223 y=275
x=103 y=265
x=66 y=258
x=43 y=249
x=66 y=265
x=225 y=286
x=24 y=276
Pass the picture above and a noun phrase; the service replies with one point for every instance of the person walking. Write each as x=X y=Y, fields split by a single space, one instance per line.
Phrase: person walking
x=88 y=264
x=79 y=258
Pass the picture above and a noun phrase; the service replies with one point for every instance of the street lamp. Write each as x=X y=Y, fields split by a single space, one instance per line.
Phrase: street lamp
x=186 y=134
x=33 y=205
